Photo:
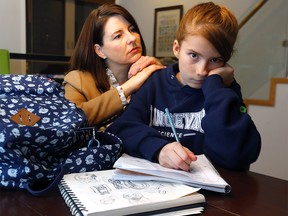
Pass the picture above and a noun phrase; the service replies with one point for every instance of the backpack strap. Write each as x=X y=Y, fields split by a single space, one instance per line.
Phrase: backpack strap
x=41 y=188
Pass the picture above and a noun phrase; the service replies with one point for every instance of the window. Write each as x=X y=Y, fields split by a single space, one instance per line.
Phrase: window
x=52 y=29
x=53 y=26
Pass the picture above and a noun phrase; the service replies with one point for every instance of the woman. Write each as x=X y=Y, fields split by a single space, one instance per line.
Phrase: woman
x=98 y=82
x=202 y=95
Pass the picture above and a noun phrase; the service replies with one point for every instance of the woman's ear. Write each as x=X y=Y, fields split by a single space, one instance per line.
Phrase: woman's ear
x=99 y=51
x=176 y=48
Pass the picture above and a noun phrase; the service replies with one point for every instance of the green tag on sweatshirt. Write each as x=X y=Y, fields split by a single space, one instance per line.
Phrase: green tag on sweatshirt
x=243 y=109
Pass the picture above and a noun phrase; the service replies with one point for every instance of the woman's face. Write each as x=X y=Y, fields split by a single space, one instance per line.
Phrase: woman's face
x=121 y=43
x=197 y=57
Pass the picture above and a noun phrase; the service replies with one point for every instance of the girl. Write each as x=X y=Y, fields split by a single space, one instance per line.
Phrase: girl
x=202 y=96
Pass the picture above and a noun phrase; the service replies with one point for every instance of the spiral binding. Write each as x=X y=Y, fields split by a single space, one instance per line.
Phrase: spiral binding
x=76 y=207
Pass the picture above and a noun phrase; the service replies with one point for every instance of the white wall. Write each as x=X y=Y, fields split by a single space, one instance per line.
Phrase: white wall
x=272 y=123
x=143 y=11
x=13 y=31
x=13 y=25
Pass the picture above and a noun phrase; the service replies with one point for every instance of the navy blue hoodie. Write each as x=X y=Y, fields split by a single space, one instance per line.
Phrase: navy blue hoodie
x=212 y=120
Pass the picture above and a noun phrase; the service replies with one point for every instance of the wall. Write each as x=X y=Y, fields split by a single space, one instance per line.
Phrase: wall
x=13 y=31
x=12 y=25
x=272 y=123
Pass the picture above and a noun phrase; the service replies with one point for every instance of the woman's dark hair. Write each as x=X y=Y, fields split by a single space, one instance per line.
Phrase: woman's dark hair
x=84 y=57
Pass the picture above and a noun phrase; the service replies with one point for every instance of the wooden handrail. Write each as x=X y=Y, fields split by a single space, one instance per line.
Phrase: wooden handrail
x=272 y=95
x=251 y=14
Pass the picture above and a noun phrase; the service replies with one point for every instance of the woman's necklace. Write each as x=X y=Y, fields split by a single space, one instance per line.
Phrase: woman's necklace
x=115 y=84
x=112 y=79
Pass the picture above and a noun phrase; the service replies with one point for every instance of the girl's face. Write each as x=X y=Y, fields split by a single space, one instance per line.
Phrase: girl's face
x=121 y=43
x=197 y=57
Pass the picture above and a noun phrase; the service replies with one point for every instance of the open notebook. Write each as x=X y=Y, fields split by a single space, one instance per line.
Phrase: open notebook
x=97 y=193
x=202 y=173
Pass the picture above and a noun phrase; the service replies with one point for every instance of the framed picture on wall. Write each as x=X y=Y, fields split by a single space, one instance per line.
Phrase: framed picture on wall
x=166 y=22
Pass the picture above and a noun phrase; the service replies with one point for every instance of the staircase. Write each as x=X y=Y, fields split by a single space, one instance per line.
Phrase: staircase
x=261 y=66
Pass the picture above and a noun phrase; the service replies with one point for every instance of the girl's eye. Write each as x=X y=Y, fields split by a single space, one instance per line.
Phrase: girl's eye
x=132 y=29
x=216 y=60
x=193 y=55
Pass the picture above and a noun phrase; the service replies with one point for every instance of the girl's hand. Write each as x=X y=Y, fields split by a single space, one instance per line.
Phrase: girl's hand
x=142 y=63
x=226 y=72
x=175 y=156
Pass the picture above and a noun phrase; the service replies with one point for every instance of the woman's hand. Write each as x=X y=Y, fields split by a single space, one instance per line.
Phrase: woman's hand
x=142 y=63
x=226 y=72
x=139 y=73
x=175 y=156
x=136 y=81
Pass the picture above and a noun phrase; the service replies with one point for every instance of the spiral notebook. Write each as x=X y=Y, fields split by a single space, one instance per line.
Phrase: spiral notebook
x=97 y=193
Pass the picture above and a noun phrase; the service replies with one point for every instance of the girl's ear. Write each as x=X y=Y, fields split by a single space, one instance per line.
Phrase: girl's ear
x=99 y=51
x=176 y=48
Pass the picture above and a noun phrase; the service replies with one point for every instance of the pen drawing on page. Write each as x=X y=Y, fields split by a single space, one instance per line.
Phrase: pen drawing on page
x=110 y=191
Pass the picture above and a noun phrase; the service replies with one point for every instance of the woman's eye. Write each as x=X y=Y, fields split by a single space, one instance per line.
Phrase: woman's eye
x=117 y=36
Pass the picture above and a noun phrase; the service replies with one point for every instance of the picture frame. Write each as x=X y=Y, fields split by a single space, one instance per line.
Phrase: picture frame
x=166 y=23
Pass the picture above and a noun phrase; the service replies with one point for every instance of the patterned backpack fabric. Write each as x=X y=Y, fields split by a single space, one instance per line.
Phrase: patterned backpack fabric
x=42 y=135
x=100 y=153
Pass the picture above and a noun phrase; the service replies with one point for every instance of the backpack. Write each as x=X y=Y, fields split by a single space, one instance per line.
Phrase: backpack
x=44 y=136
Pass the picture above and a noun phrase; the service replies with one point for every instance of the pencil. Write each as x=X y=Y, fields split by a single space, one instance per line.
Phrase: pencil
x=172 y=124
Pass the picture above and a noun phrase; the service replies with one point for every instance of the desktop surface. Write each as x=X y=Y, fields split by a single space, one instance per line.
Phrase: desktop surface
x=252 y=194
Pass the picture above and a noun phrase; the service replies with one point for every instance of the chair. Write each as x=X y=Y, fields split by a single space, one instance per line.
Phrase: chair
x=4 y=61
